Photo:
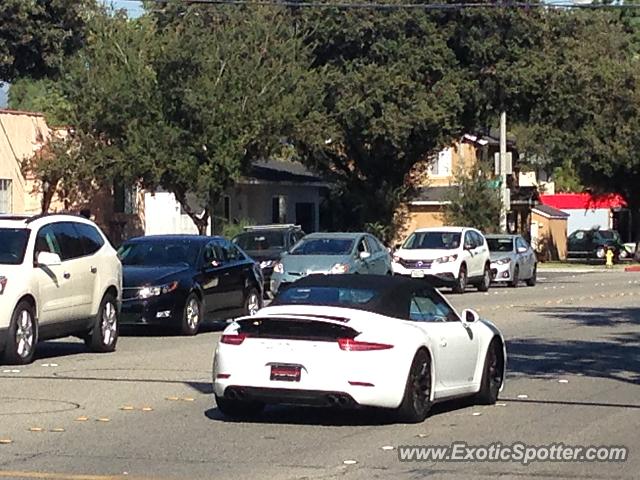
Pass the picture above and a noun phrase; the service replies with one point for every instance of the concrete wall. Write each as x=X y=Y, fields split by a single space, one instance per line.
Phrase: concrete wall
x=253 y=202
x=163 y=215
x=580 y=219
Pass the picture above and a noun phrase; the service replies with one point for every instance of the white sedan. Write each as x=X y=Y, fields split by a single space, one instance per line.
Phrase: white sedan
x=358 y=340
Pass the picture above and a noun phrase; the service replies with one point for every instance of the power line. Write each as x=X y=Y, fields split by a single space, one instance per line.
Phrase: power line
x=406 y=6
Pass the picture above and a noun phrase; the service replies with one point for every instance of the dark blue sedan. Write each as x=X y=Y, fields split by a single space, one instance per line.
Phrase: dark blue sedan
x=183 y=280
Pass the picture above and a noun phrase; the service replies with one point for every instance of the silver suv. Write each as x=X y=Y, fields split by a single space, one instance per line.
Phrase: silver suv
x=59 y=276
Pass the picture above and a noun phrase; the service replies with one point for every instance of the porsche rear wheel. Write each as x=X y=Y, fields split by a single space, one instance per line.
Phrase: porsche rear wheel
x=238 y=408
x=417 y=393
x=493 y=374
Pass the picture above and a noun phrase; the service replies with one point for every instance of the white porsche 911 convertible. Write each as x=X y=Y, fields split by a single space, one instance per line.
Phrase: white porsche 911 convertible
x=357 y=340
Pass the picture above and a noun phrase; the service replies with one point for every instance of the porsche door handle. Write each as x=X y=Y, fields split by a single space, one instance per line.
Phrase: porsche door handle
x=66 y=275
x=94 y=270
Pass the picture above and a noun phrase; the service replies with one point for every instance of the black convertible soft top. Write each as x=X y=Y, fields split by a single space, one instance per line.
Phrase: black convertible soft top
x=392 y=294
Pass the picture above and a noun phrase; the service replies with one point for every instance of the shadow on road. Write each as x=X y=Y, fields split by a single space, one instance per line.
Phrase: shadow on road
x=330 y=417
x=616 y=355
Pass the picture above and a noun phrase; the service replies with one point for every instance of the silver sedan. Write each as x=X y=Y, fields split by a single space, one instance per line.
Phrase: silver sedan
x=512 y=260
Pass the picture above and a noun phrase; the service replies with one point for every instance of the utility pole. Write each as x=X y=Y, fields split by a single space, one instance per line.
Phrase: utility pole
x=503 y=169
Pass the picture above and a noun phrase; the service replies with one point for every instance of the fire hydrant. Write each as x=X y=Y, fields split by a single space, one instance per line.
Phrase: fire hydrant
x=609 y=255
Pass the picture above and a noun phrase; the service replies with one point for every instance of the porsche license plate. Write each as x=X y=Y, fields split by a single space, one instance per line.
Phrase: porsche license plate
x=417 y=274
x=286 y=373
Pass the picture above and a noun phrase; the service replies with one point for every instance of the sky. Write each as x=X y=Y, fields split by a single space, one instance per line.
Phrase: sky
x=133 y=8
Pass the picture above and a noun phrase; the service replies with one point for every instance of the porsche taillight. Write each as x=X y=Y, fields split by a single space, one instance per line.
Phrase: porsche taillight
x=233 y=339
x=351 y=345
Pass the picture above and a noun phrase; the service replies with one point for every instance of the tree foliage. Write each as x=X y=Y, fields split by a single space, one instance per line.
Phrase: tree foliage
x=475 y=202
x=36 y=35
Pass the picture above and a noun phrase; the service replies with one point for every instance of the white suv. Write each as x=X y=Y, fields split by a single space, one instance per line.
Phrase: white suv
x=59 y=276
x=449 y=256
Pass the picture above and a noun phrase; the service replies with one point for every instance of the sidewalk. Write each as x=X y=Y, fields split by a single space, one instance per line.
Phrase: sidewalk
x=571 y=267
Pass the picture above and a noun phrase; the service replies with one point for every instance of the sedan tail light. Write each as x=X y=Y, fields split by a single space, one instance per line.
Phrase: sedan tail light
x=351 y=345
x=233 y=339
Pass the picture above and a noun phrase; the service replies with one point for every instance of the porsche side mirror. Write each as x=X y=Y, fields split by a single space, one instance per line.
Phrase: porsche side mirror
x=522 y=249
x=470 y=316
x=364 y=255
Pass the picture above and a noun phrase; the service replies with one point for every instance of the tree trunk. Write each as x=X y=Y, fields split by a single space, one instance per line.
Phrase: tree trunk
x=200 y=221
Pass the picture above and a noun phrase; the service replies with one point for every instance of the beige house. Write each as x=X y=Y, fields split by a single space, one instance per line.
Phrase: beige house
x=22 y=134
x=434 y=181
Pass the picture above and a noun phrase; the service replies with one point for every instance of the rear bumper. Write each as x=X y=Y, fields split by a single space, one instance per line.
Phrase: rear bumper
x=283 y=396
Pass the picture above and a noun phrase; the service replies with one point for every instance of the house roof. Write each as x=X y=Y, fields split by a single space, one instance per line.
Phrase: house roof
x=549 y=212
x=583 y=201
x=270 y=171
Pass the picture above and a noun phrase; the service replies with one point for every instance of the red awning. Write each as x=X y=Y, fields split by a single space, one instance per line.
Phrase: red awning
x=583 y=201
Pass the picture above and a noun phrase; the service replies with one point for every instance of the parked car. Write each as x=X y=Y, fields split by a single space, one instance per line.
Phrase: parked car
x=183 y=280
x=593 y=244
x=332 y=253
x=448 y=256
x=59 y=276
x=358 y=340
x=512 y=260
x=266 y=244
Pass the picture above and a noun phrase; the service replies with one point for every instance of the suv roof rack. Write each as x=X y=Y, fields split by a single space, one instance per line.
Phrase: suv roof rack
x=52 y=214
x=14 y=216
x=271 y=227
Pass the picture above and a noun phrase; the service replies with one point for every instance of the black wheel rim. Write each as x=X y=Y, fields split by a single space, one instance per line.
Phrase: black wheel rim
x=495 y=368
x=421 y=385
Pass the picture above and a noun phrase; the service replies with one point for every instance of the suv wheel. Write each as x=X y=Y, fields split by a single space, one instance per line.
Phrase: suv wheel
x=461 y=282
x=104 y=334
x=485 y=283
x=23 y=335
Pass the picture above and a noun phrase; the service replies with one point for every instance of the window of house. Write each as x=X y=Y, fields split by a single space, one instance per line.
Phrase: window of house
x=125 y=198
x=279 y=209
x=6 y=199
x=227 y=208
x=442 y=164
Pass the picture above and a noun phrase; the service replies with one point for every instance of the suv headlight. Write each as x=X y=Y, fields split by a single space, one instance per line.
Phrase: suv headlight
x=340 y=268
x=447 y=259
x=148 y=292
x=503 y=261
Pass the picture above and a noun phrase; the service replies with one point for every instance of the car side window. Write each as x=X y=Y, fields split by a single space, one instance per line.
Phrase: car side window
x=212 y=255
x=231 y=252
x=46 y=241
x=362 y=246
x=69 y=240
x=91 y=238
x=520 y=243
x=468 y=241
x=426 y=307
x=477 y=239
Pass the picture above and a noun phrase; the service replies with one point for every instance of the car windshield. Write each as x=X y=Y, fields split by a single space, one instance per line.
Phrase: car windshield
x=500 y=244
x=333 y=296
x=13 y=244
x=156 y=253
x=323 y=246
x=433 y=240
x=260 y=241
x=608 y=235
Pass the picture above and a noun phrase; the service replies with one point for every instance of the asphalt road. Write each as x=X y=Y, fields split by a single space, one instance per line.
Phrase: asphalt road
x=146 y=411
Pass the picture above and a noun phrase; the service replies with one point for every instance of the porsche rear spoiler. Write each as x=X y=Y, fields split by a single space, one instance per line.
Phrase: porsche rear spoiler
x=295 y=328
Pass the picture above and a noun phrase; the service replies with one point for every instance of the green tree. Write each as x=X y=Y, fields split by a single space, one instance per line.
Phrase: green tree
x=45 y=96
x=231 y=87
x=36 y=35
x=391 y=94
x=475 y=202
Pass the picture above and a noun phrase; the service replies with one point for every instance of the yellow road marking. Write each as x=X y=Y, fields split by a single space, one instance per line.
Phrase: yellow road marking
x=62 y=476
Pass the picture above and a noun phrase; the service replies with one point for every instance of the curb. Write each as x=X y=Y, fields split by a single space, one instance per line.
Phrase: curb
x=632 y=268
